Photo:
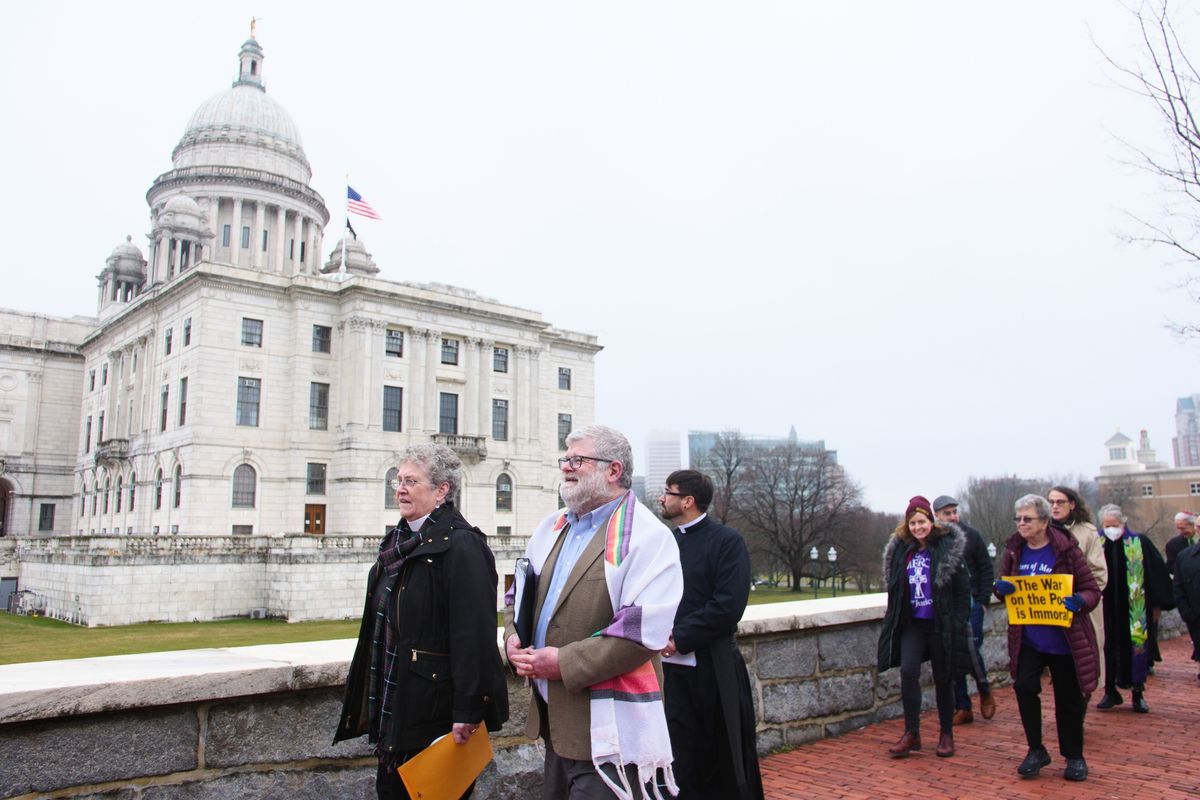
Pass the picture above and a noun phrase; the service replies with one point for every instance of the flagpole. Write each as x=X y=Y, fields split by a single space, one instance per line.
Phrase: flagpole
x=346 y=228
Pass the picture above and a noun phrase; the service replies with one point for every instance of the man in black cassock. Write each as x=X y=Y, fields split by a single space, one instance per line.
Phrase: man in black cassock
x=710 y=713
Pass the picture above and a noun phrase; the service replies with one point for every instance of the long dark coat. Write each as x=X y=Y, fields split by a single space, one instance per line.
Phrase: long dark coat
x=951 y=587
x=716 y=587
x=443 y=611
x=1187 y=593
x=1118 y=645
x=1081 y=636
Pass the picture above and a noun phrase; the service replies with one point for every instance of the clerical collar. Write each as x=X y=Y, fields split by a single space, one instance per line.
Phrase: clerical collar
x=416 y=524
x=683 y=528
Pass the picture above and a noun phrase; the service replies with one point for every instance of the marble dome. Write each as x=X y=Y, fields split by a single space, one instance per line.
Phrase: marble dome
x=244 y=127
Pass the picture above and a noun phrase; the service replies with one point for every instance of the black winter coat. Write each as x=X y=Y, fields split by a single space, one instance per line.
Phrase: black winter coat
x=951 y=586
x=443 y=612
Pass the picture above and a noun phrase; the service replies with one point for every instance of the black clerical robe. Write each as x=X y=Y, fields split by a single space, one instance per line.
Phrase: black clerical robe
x=1119 y=668
x=710 y=712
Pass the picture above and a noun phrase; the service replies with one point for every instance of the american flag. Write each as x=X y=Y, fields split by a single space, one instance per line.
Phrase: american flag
x=356 y=205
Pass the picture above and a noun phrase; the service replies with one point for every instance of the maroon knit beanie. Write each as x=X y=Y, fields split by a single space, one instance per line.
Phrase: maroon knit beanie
x=918 y=503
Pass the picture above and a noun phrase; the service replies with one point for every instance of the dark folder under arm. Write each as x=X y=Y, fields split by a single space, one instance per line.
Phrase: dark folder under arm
x=524 y=597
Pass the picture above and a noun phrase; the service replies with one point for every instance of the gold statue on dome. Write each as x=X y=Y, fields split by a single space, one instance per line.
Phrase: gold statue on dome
x=253 y=23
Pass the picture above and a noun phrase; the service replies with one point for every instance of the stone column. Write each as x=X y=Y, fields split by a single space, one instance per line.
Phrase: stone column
x=214 y=219
x=177 y=254
x=260 y=222
x=484 y=378
x=297 y=238
x=433 y=346
x=318 y=245
x=518 y=412
x=535 y=394
x=235 y=238
x=280 y=240
x=472 y=421
x=416 y=379
x=139 y=384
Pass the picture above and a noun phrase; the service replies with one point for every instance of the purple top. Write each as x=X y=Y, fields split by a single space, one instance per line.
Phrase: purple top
x=920 y=594
x=1043 y=638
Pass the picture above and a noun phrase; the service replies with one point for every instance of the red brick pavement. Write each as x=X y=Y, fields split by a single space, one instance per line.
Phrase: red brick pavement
x=1129 y=756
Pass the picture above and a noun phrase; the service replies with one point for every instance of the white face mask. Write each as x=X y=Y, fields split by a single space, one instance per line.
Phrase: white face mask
x=1113 y=533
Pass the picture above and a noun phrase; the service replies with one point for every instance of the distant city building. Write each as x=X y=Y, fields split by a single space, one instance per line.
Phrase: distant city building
x=1185 y=446
x=663 y=456
x=701 y=443
x=1148 y=490
x=232 y=385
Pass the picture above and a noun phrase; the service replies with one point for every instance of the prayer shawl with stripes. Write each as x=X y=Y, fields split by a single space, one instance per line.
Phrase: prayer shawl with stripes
x=645 y=584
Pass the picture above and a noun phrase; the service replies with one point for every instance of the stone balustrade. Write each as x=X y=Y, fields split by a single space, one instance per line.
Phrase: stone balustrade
x=258 y=721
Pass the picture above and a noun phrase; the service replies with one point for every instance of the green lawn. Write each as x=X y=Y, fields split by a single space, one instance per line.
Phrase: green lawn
x=24 y=639
x=39 y=639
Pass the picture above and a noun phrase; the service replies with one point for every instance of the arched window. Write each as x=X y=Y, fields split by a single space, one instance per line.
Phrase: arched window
x=132 y=484
x=178 y=486
x=82 y=499
x=120 y=493
x=244 y=484
x=504 y=492
x=107 y=487
x=389 y=494
x=158 y=488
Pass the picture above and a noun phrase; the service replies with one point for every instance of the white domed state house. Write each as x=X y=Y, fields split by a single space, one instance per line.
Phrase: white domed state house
x=219 y=439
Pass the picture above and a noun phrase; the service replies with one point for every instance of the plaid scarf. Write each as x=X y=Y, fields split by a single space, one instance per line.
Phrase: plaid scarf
x=395 y=547
x=1138 y=630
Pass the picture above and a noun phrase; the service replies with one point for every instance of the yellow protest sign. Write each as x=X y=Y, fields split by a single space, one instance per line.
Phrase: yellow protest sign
x=1038 y=600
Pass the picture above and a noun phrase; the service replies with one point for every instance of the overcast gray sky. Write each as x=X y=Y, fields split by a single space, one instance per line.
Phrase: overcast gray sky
x=893 y=225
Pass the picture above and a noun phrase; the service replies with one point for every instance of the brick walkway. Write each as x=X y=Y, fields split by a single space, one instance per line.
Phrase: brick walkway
x=1129 y=755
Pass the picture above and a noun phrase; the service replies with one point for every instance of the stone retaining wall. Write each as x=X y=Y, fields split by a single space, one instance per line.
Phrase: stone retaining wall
x=257 y=721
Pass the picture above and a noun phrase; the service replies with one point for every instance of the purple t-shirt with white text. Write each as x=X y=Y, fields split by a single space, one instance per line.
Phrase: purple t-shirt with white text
x=1043 y=638
x=920 y=594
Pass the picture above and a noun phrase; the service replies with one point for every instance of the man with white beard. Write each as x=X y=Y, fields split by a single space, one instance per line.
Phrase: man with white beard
x=607 y=582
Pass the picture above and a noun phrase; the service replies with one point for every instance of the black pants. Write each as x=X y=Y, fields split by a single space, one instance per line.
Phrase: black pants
x=918 y=643
x=1069 y=702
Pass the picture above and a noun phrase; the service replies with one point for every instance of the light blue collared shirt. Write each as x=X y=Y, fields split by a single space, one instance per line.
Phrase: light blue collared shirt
x=580 y=533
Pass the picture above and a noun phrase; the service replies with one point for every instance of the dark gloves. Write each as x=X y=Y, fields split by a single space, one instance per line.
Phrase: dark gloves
x=1004 y=588
x=1074 y=603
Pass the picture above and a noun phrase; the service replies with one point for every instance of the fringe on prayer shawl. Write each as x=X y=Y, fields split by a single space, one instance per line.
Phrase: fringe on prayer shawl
x=629 y=727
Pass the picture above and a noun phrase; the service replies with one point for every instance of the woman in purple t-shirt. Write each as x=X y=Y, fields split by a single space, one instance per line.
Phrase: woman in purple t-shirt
x=929 y=606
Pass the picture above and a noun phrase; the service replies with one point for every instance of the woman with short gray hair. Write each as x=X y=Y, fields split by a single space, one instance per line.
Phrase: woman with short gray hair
x=1038 y=548
x=426 y=663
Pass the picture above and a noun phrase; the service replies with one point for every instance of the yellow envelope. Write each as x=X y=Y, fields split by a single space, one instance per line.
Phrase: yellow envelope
x=444 y=770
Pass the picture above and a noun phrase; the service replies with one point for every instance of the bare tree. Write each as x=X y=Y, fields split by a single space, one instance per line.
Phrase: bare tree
x=725 y=464
x=1167 y=78
x=988 y=504
x=862 y=546
x=796 y=498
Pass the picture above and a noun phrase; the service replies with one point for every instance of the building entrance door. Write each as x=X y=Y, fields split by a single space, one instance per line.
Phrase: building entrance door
x=314 y=519
x=5 y=505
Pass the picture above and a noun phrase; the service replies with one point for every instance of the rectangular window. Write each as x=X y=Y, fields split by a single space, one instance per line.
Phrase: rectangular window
x=504 y=530
x=500 y=420
x=252 y=330
x=100 y=429
x=318 y=406
x=564 y=427
x=226 y=232
x=264 y=242
x=243 y=530
x=187 y=338
x=134 y=367
x=448 y=413
x=91 y=380
x=292 y=249
x=322 y=339
x=167 y=342
x=245 y=237
x=449 y=351
x=1147 y=490
x=162 y=423
x=564 y=378
x=302 y=252
x=393 y=400
x=182 y=400
x=248 y=392
x=316 y=479
x=500 y=359
x=46 y=517
x=104 y=374
x=1194 y=488
x=393 y=344
x=87 y=436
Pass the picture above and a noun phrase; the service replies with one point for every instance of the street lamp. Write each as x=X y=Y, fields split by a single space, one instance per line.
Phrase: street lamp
x=813 y=556
x=832 y=556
